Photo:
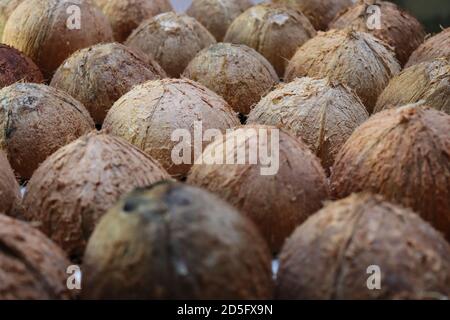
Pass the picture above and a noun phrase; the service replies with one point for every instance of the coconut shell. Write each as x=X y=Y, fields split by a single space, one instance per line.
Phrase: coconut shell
x=322 y=113
x=403 y=154
x=45 y=30
x=329 y=255
x=274 y=31
x=9 y=188
x=35 y=121
x=427 y=82
x=437 y=46
x=148 y=115
x=75 y=186
x=6 y=8
x=236 y=72
x=173 y=241
x=98 y=76
x=31 y=266
x=172 y=39
x=217 y=15
x=277 y=202
x=356 y=59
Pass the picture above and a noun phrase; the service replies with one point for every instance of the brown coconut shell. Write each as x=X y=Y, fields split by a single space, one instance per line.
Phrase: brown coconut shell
x=9 y=188
x=274 y=31
x=74 y=187
x=322 y=113
x=399 y=29
x=148 y=115
x=356 y=59
x=35 y=121
x=217 y=15
x=173 y=241
x=40 y=29
x=98 y=76
x=6 y=8
x=329 y=255
x=31 y=266
x=172 y=39
x=236 y=72
x=437 y=46
x=277 y=202
x=428 y=82
x=403 y=154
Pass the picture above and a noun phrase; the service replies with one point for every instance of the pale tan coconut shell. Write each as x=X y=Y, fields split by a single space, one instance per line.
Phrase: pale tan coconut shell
x=6 y=8
x=9 y=188
x=437 y=46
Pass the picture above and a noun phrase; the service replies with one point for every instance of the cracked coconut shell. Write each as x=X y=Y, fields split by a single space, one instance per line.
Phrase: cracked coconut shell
x=49 y=31
x=356 y=59
x=236 y=72
x=151 y=113
x=31 y=266
x=74 y=187
x=35 y=121
x=172 y=40
x=437 y=46
x=172 y=241
x=274 y=31
x=6 y=8
x=322 y=113
x=9 y=188
x=98 y=76
x=330 y=255
x=427 y=82
x=217 y=15
x=403 y=154
x=278 y=201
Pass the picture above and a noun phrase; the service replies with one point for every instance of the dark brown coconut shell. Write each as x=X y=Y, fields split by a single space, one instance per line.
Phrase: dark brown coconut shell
x=403 y=154
x=148 y=115
x=173 y=241
x=98 y=76
x=236 y=72
x=322 y=113
x=172 y=39
x=398 y=28
x=428 y=82
x=6 y=8
x=356 y=59
x=217 y=15
x=328 y=256
x=277 y=202
x=9 y=188
x=31 y=266
x=39 y=28
x=274 y=31
x=75 y=186
x=35 y=121
x=435 y=47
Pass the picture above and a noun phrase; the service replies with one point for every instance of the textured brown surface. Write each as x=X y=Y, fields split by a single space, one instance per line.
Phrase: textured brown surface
x=74 y=187
x=327 y=257
x=437 y=46
x=428 y=82
x=35 y=121
x=6 y=8
x=237 y=73
x=39 y=29
x=276 y=203
x=148 y=115
x=403 y=154
x=173 y=241
x=356 y=59
x=322 y=113
x=98 y=76
x=31 y=266
x=9 y=188
x=274 y=31
x=172 y=40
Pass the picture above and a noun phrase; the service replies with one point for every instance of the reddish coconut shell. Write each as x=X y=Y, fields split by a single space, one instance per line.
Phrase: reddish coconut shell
x=403 y=154
x=322 y=113
x=236 y=72
x=172 y=39
x=435 y=47
x=173 y=241
x=6 y=8
x=148 y=116
x=98 y=76
x=9 y=188
x=356 y=59
x=333 y=254
x=75 y=186
x=35 y=121
x=277 y=200
x=31 y=266
x=274 y=31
